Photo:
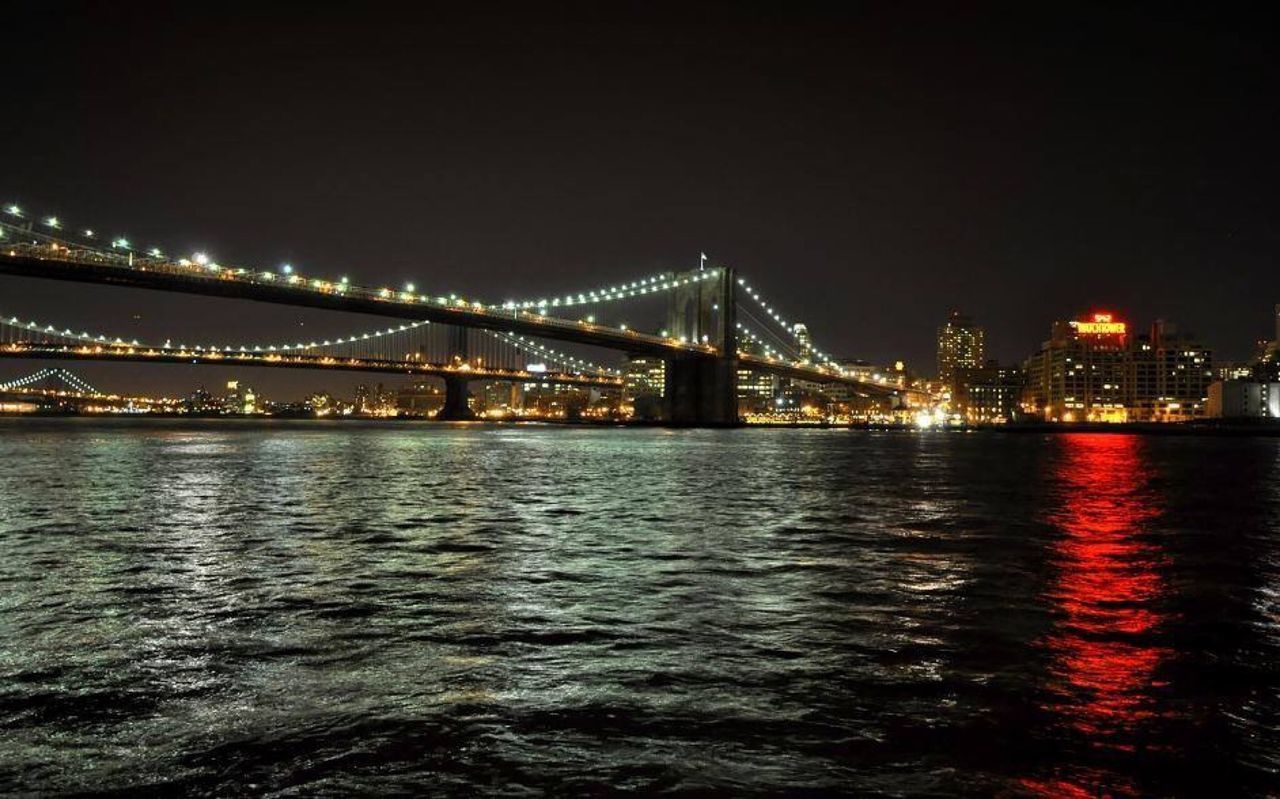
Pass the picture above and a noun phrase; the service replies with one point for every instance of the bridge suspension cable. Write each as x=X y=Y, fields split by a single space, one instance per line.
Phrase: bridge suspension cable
x=409 y=342
x=561 y=358
x=66 y=377
x=665 y=281
x=789 y=327
x=768 y=350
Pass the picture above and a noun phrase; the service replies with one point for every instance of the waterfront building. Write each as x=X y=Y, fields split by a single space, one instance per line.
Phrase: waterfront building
x=961 y=345
x=201 y=401
x=240 y=399
x=644 y=377
x=1082 y=373
x=1244 y=399
x=322 y=403
x=556 y=401
x=991 y=394
x=1172 y=371
x=1097 y=370
x=803 y=398
x=757 y=391
x=1266 y=360
x=420 y=399
x=500 y=398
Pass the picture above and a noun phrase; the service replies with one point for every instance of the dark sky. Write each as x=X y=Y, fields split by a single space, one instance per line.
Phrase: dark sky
x=869 y=169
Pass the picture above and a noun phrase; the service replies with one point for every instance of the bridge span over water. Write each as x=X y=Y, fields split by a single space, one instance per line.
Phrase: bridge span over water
x=716 y=322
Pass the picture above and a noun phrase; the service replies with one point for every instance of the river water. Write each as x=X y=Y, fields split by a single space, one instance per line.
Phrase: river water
x=320 y=609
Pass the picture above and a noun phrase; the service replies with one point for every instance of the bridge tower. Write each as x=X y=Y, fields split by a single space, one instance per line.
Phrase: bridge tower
x=455 y=407
x=702 y=389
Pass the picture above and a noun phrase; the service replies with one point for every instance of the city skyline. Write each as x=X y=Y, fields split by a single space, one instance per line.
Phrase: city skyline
x=795 y=163
x=591 y=399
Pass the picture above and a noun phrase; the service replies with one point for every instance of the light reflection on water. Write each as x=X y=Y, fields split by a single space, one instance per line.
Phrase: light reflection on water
x=220 y=607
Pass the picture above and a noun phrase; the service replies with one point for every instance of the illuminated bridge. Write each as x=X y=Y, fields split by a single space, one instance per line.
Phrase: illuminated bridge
x=61 y=389
x=715 y=323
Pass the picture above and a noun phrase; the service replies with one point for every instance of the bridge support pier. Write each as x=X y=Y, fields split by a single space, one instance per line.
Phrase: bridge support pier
x=701 y=391
x=455 y=401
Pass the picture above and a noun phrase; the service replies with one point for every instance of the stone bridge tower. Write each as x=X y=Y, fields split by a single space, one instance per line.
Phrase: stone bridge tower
x=702 y=389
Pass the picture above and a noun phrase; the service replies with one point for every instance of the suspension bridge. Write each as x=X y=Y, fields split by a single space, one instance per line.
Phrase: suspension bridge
x=45 y=378
x=59 y=388
x=715 y=324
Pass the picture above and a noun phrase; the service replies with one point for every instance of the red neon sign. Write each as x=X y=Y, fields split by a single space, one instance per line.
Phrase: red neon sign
x=1100 y=325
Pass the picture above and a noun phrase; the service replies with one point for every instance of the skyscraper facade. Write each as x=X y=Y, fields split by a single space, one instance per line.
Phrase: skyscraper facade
x=961 y=345
x=801 y=333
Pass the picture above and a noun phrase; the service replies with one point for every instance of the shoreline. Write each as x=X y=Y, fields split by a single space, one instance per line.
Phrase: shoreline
x=1260 y=428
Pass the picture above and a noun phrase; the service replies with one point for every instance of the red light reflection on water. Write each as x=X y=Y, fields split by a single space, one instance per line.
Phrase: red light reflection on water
x=1107 y=588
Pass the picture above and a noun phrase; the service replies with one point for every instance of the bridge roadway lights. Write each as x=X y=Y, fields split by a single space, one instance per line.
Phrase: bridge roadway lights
x=455 y=401
x=702 y=391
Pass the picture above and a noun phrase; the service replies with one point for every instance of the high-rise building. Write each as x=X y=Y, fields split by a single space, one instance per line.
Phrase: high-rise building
x=801 y=333
x=420 y=399
x=961 y=345
x=240 y=399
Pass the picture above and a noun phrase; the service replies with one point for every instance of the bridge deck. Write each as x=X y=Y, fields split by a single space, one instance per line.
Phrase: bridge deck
x=334 y=297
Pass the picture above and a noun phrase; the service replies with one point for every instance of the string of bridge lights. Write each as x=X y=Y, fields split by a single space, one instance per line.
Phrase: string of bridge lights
x=53 y=330
x=526 y=345
x=62 y=374
x=372 y=335
x=788 y=326
x=636 y=288
x=121 y=246
x=649 y=285
x=769 y=351
x=519 y=342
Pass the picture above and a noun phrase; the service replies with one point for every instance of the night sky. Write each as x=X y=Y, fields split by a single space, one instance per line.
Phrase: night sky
x=870 y=170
